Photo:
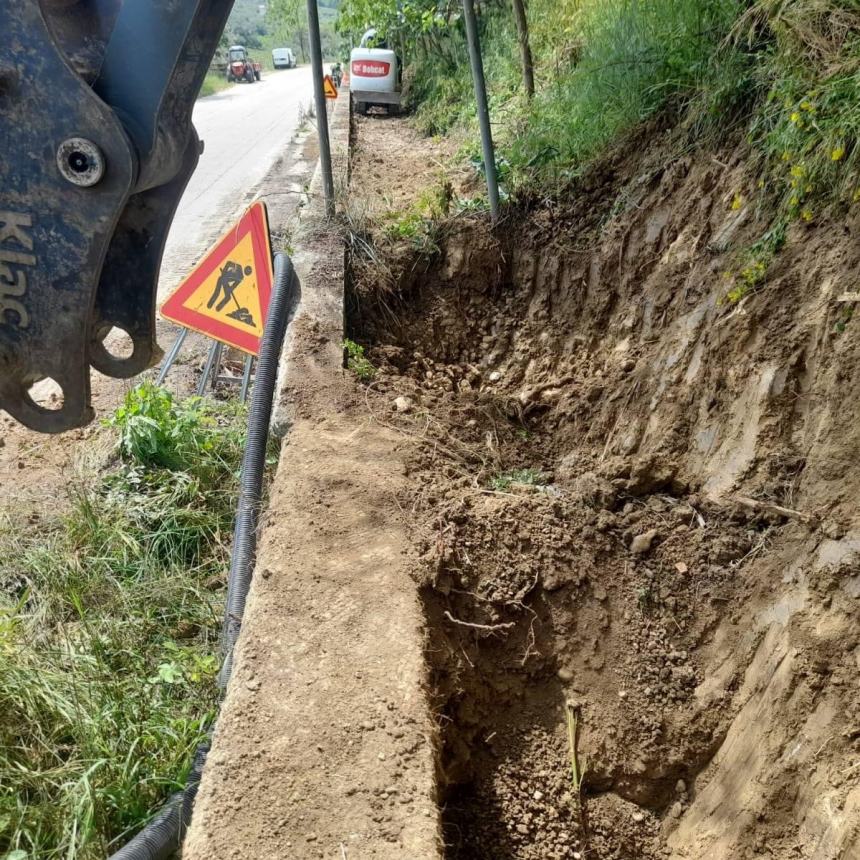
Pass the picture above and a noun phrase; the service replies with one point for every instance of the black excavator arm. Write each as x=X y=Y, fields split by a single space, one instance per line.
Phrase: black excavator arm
x=96 y=147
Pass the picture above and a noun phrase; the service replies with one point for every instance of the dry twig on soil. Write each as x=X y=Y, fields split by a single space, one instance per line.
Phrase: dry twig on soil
x=770 y=508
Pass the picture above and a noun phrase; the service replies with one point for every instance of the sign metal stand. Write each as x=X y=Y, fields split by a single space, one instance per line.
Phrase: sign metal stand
x=212 y=368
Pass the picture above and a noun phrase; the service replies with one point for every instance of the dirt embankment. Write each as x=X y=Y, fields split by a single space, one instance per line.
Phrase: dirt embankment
x=633 y=502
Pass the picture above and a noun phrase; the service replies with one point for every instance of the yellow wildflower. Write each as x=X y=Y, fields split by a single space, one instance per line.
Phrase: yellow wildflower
x=837 y=153
x=807 y=106
x=806 y=214
x=737 y=202
x=798 y=170
x=795 y=117
x=793 y=201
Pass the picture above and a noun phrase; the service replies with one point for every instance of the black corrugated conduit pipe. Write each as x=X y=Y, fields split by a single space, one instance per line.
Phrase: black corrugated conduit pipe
x=163 y=835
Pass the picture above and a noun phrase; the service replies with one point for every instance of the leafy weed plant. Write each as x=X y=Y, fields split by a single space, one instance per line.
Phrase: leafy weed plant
x=357 y=362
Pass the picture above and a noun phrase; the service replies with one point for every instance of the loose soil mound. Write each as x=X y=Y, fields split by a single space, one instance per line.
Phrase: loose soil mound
x=633 y=502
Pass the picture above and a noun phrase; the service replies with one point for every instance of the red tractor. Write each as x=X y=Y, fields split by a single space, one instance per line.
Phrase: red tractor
x=240 y=67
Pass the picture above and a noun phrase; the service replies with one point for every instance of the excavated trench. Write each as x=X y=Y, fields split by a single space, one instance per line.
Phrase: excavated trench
x=631 y=499
x=559 y=575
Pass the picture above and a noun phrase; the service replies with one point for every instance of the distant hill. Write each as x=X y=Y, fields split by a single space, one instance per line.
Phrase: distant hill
x=247 y=25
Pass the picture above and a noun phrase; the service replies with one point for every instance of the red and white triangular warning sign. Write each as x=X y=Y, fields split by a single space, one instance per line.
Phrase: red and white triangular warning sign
x=227 y=294
x=329 y=88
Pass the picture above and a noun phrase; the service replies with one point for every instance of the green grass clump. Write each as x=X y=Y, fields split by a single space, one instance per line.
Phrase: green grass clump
x=803 y=59
x=420 y=223
x=357 y=362
x=504 y=480
x=109 y=623
x=404 y=225
x=630 y=59
x=214 y=83
x=755 y=262
x=444 y=100
x=807 y=125
x=602 y=67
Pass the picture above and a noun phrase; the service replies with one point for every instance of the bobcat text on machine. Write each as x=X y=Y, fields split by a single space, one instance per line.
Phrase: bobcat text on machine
x=374 y=72
x=95 y=152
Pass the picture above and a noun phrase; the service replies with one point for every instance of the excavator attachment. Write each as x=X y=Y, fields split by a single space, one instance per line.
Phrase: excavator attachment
x=96 y=148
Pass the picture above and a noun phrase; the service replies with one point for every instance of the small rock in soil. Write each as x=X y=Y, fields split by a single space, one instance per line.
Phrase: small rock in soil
x=642 y=543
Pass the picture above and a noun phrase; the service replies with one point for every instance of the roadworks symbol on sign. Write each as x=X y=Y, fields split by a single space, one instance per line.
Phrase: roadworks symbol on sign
x=227 y=294
x=329 y=88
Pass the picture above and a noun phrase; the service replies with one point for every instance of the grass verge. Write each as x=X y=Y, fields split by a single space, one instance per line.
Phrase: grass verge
x=109 y=622
x=213 y=83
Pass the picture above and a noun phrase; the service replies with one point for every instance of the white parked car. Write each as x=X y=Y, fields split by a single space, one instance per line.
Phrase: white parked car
x=283 y=58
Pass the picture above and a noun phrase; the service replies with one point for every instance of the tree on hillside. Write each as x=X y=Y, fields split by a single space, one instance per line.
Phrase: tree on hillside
x=289 y=18
x=525 y=47
x=247 y=24
x=409 y=24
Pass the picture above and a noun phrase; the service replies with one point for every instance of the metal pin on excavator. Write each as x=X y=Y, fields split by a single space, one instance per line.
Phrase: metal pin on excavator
x=96 y=147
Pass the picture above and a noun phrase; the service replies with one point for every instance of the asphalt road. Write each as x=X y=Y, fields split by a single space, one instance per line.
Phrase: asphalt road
x=244 y=129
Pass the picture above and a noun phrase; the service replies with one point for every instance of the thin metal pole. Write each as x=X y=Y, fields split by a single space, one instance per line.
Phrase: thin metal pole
x=218 y=353
x=246 y=377
x=320 y=102
x=483 y=110
x=171 y=356
x=207 y=370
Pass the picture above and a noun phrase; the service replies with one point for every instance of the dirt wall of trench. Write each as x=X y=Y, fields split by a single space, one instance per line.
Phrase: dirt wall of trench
x=592 y=419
